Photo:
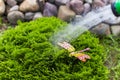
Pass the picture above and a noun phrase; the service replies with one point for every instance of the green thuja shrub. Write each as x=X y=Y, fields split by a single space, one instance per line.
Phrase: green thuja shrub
x=26 y=53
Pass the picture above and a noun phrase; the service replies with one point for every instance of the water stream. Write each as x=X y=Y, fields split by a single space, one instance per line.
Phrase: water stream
x=85 y=23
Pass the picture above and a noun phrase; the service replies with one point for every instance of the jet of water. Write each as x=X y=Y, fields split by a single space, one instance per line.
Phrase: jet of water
x=93 y=18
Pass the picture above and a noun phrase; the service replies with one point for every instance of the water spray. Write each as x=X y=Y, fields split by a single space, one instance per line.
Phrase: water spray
x=93 y=18
x=88 y=21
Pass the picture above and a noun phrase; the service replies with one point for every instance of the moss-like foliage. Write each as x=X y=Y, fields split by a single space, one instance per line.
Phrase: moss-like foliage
x=116 y=71
x=26 y=53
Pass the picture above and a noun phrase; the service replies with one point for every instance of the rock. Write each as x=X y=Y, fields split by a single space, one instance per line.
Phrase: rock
x=11 y=2
x=14 y=16
x=4 y=20
x=14 y=8
x=61 y=2
x=89 y=1
x=77 y=19
x=111 y=1
x=101 y=29
x=3 y=27
x=37 y=15
x=113 y=21
x=87 y=8
x=51 y=1
x=2 y=7
x=7 y=9
x=29 y=16
x=82 y=0
x=50 y=9
x=19 y=1
x=98 y=3
x=77 y=6
x=41 y=4
x=106 y=1
x=65 y=13
x=115 y=29
x=29 y=6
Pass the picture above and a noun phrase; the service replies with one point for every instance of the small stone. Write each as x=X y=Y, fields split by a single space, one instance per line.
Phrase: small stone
x=113 y=21
x=3 y=27
x=50 y=9
x=98 y=4
x=106 y=1
x=2 y=7
x=77 y=6
x=4 y=19
x=19 y=1
x=65 y=13
x=51 y=1
x=11 y=2
x=37 y=15
x=101 y=29
x=77 y=19
x=82 y=0
x=7 y=9
x=29 y=16
x=14 y=16
x=87 y=8
x=111 y=1
x=61 y=2
x=115 y=29
x=14 y=8
x=89 y=1
x=41 y=4
x=29 y=6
